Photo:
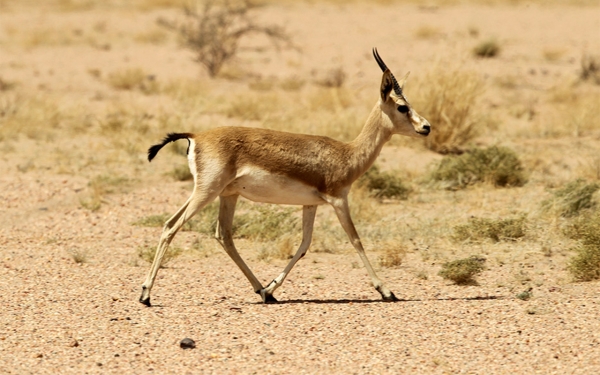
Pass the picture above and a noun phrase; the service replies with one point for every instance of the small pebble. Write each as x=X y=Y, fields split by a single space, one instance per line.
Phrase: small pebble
x=187 y=344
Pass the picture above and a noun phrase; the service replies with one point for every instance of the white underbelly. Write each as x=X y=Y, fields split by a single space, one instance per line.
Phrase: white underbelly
x=261 y=186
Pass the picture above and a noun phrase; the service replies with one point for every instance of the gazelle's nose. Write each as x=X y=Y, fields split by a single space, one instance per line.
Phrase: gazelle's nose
x=425 y=129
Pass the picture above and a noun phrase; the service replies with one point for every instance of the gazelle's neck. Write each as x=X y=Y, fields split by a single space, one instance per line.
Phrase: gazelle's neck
x=367 y=146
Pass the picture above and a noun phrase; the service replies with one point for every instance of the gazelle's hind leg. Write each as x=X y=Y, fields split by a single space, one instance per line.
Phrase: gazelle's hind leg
x=194 y=203
x=340 y=205
x=225 y=236
x=308 y=220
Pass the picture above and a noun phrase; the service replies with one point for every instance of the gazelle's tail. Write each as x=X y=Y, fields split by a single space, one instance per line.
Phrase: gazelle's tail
x=171 y=137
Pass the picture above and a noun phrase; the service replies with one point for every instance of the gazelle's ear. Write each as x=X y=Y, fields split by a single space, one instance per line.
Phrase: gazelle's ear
x=387 y=84
x=403 y=80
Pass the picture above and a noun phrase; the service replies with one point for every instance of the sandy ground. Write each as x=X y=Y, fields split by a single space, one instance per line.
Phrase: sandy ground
x=59 y=316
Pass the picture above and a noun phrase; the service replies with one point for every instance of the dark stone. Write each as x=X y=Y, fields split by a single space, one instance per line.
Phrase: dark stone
x=187 y=343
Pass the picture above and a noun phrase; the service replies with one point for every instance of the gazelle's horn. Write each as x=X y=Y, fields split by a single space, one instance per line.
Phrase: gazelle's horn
x=397 y=88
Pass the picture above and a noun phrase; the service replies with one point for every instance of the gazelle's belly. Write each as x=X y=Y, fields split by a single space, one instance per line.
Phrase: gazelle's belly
x=261 y=186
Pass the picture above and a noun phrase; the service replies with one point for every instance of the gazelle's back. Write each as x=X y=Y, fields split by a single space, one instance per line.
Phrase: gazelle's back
x=313 y=160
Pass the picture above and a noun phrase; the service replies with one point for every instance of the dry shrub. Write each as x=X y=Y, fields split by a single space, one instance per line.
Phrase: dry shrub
x=585 y=265
x=448 y=99
x=590 y=69
x=575 y=111
x=462 y=271
x=393 y=254
x=499 y=166
x=6 y=85
x=99 y=187
x=133 y=79
x=572 y=198
x=553 y=54
x=332 y=78
x=428 y=32
x=292 y=83
x=78 y=256
x=487 y=49
x=384 y=184
x=213 y=30
x=479 y=229
x=205 y=221
x=282 y=249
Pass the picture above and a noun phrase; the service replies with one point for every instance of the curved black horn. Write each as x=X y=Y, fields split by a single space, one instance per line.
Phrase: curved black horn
x=397 y=88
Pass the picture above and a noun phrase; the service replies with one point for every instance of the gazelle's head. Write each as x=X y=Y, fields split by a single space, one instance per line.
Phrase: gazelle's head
x=405 y=120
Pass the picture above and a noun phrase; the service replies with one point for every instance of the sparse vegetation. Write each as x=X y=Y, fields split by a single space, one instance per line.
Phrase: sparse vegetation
x=585 y=265
x=147 y=254
x=182 y=173
x=487 y=49
x=448 y=99
x=332 y=78
x=213 y=30
x=498 y=166
x=572 y=198
x=78 y=256
x=134 y=79
x=266 y=222
x=590 y=69
x=479 y=229
x=463 y=271
x=99 y=187
x=393 y=254
x=384 y=184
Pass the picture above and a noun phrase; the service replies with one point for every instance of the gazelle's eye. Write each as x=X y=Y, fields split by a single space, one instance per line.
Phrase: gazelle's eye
x=403 y=108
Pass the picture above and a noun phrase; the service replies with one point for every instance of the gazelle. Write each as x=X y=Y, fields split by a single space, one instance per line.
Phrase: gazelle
x=285 y=168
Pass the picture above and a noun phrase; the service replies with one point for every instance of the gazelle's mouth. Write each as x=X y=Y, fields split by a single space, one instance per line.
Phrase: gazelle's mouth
x=425 y=131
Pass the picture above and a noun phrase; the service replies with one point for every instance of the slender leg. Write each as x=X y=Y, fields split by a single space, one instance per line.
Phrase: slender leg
x=342 y=211
x=308 y=220
x=225 y=236
x=194 y=203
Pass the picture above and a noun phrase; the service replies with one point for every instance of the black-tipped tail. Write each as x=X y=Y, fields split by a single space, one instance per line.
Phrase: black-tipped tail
x=171 y=137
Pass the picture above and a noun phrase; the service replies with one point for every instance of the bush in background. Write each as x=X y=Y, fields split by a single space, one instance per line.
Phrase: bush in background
x=448 y=100
x=497 y=230
x=585 y=265
x=384 y=184
x=499 y=166
x=572 y=198
x=463 y=271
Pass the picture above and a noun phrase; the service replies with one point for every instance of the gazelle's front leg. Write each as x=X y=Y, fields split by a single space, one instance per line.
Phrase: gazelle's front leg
x=342 y=211
x=225 y=236
x=308 y=220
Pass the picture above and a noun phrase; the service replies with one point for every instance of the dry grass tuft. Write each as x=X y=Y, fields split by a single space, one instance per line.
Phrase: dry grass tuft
x=393 y=254
x=6 y=85
x=213 y=30
x=487 y=49
x=428 y=32
x=572 y=198
x=479 y=229
x=282 y=249
x=585 y=265
x=332 y=78
x=590 y=69
x=384 y=184
x=134 y=79
x=99 y=187
x=448 y=99
x=147 y=254
x=78 y=256
x=495 y=165
x=463 y=271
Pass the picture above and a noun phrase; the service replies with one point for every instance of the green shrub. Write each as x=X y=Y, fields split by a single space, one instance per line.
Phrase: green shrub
x=496 y=165
x=497 y=230
x=266 y=222
x=585 y=265
x=462 y=271
x=384 y=184
x=569 y=200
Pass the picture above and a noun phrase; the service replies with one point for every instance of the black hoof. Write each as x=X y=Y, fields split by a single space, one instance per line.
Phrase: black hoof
x=146 y=301
x=390 y=298
x=270 y=299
